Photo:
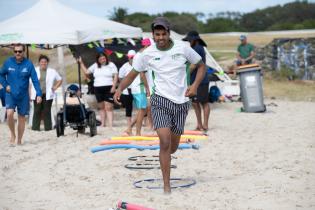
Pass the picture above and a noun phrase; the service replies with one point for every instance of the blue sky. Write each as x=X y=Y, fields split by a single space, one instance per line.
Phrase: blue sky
x=103 y=8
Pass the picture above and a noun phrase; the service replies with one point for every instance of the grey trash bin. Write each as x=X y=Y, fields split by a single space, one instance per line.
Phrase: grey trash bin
x=251 y=88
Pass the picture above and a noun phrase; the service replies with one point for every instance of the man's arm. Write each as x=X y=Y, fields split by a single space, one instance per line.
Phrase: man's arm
x=124 y=84
x=252 y=55
x=192 y=90
x=145 y=82
x=3 y=73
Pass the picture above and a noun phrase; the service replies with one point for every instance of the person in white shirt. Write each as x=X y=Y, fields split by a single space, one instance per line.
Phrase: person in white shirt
x=105 y=79
x=126 y=97
x=49 y=80
x=169 y=102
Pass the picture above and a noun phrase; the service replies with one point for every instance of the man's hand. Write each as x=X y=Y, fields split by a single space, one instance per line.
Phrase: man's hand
x=191 y=91
x=117 y=96
x=8 y=89
x=38 y=99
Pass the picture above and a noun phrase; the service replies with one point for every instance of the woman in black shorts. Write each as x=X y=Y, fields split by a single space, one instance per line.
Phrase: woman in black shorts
x=105 y=79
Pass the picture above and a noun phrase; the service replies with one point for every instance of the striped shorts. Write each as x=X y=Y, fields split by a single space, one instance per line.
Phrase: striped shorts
x=167 y=114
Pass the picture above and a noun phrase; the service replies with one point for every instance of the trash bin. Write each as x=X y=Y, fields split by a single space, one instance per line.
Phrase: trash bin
x=251 y=88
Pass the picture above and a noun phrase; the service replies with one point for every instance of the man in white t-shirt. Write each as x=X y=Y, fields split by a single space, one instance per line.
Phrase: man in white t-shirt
x=169 y=102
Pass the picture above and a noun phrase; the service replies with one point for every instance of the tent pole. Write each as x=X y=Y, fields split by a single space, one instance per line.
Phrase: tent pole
x=62 y=68
x=79 y=73
x=27 y=52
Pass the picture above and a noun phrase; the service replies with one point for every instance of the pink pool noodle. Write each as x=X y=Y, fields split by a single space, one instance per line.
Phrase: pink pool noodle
x=130 y=206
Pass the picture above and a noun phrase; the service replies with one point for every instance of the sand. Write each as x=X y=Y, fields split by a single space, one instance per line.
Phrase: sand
x=251 y=161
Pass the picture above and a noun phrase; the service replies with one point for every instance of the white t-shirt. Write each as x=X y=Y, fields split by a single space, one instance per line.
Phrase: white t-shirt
x=137 y=86
x=103 y=76
x=169 y=69
x=123 y=72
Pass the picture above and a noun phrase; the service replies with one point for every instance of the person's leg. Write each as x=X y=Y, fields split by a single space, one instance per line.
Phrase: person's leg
x=165 y=156
x=101 y=107
x=21 y=128
x=11 y=124
x=150 y=123
x=109 y=113
x=140 y=116
x=197 y=110
x=36 y=116
x=47 y=114
x=127 y=101
x=206 y=115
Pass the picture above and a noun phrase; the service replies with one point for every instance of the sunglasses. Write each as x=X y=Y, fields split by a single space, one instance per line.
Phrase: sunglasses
x=18 y=51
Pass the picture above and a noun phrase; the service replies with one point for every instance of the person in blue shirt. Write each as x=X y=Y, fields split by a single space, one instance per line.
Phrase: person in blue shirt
x=14 y=76
x=200 y=101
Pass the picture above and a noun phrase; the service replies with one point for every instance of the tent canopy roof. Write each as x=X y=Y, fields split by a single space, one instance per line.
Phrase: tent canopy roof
x=50 y=22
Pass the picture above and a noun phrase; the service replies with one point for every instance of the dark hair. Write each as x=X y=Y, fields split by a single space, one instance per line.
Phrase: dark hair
x=43 y=57
x=98 y=55
x=159 y=27
x=19 y=45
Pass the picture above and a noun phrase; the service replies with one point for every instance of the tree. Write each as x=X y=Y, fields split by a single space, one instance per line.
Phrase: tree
x=119 y=14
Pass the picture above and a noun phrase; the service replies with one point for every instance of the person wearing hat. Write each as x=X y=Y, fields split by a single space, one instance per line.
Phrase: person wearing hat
x=200 y=101
x=140 y=91
x=170 y=104
x=245 y=52
x=126 y=96
x=74 y=93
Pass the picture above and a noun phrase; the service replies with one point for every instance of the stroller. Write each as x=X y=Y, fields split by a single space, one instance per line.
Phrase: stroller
x=75 y=115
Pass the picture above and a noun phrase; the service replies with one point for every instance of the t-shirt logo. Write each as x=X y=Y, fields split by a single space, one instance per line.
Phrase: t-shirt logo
x=176 y=56
x=24 y=70
x=11 y=69
x=157 y=59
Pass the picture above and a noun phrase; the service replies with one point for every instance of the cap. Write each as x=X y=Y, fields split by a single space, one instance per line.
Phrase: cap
x=194 y=35
x=242 y=37
x=146 y=42
x=131 y=53
x=160 y=21
x=73 y=88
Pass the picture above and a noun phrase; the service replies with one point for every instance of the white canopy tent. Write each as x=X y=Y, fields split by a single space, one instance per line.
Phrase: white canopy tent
x=50 y=22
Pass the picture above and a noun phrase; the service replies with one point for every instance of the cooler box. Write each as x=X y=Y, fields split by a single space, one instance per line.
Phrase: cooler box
x=250 y=78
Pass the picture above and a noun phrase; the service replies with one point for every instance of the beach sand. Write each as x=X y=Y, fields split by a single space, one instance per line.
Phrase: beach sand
x=250 y=161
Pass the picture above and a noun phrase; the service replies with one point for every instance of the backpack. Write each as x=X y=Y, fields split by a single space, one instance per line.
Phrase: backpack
x=214 y=94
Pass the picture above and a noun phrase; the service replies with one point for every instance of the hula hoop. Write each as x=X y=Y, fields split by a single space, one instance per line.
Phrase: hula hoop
x=145 y=138
x=147 y=158
x=131 y=146
x=145 y=166
x=190 y=182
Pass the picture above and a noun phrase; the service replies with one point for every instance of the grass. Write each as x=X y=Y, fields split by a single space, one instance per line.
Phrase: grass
x=289 y=90
x=217 y=42
x=222 y=56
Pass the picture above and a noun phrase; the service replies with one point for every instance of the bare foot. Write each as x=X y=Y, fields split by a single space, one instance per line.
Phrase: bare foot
x=12 y=140
x=205 y=128
x=127 y=133
x=167 y=190
x=19 y=142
